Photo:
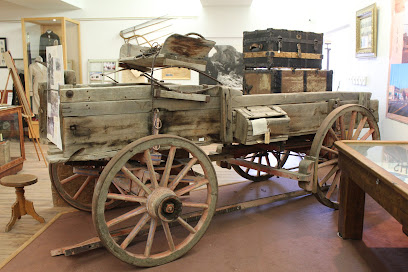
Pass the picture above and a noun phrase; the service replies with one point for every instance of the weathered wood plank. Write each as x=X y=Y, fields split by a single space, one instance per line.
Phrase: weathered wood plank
x=181 y=105
x=181 y=96
x=113 y=93
x=305 y=118
x=290 y=98
x=105 y=108
x=103 y=132
x=191 y=123
x=226 y=132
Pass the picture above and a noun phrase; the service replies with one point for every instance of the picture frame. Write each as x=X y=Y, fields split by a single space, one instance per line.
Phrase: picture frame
x=3 y=48
x=102 y=71
x=366 y=32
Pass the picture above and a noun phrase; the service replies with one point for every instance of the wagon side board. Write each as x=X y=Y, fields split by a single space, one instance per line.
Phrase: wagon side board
x=98 y=121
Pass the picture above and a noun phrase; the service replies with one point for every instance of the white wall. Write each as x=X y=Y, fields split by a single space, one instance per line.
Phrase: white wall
x=346 y=65
x=101 y=21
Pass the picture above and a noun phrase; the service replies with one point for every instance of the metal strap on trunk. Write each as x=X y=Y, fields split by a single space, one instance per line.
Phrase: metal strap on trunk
x=276 y=54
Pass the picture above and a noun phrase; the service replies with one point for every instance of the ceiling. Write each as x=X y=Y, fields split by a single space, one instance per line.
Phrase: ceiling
x=206 y=3
x=47 y=4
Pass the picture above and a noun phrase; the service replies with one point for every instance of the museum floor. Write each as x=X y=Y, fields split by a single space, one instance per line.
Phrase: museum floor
x=291 y=235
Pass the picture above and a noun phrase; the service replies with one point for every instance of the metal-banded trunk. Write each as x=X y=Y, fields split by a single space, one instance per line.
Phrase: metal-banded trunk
x=282 y=48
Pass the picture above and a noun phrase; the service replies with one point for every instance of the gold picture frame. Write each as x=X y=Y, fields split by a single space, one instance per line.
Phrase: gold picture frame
x=366 y=32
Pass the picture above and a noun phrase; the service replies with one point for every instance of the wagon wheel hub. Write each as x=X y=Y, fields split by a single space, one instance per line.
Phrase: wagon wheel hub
x=164 y=204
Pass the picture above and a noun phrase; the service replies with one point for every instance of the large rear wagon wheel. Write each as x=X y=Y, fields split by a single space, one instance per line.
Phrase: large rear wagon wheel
x=160 y=201
x=348 y=122
x=75 y=185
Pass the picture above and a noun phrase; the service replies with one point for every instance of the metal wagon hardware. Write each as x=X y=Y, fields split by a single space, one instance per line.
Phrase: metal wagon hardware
x=140 y=144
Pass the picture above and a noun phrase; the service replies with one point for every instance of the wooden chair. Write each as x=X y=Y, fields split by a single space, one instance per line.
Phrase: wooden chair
x=22 y=206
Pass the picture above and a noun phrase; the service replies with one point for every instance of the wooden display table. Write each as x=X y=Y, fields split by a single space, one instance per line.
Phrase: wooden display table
x=378 y=168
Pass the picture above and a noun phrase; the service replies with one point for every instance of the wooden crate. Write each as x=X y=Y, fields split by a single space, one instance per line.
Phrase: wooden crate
x=264 y=81
x=274 y=120
x=282 y=48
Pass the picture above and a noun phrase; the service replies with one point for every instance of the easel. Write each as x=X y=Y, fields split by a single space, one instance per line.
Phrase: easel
x=27 y=114
x=3 y=97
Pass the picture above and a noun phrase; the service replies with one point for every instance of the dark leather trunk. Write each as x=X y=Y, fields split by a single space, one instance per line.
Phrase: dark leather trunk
x=282 y=48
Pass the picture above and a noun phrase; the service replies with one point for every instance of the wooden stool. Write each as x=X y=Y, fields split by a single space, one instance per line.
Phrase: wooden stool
x=21 y=206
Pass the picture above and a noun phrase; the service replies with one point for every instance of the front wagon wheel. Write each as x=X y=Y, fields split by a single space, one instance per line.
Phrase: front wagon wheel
x=162 y=194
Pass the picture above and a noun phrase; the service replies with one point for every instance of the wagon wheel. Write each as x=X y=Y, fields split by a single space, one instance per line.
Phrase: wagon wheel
x=337 y=126
x=276 y=160
x=160 y=202
x=76 y=187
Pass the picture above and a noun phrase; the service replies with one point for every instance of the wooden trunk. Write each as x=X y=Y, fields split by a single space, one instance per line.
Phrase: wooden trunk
x=264 y=81
x=282 y=48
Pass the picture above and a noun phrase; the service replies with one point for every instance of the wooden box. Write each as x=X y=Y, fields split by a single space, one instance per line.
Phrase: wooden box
x=276 y=125
x=263 y=81
x=282 y=48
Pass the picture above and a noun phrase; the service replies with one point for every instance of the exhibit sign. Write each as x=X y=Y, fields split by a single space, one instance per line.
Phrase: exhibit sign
x=397 y=91
x=55 y=72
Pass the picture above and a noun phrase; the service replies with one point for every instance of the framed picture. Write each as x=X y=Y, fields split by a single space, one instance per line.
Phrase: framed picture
x=102 y=71
x=366 y=32
x=3 y=48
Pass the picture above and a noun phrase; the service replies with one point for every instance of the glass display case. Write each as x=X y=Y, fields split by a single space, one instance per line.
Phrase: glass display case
x=38 y=33
x=376 y=168
x=12 y=153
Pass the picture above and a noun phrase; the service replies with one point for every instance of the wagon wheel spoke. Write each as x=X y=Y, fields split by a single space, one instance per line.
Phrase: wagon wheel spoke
x=342 y=127
x=330 y=150
x=70 y=178
x=191 y=187
x=186 y=225
x=258 y=172
x=150 y=166
x=252 y=160
x=359 y=128
x=368 y=134
x=126 y=216
x=143 y=221
x=182 y=173
x=333 y=134
x=268 y=162
x=130 y=175
x=130 y=198
x=351 y=125
x=81 y=189
x=195 y=205
x=329 y=175
x=334 y=184
x=169 y=238
x=166 y=173
x=150 y=237
x=327 y=163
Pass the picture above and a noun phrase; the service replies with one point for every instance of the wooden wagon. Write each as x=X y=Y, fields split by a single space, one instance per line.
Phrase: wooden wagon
x=108 y=134
x=140 y=144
